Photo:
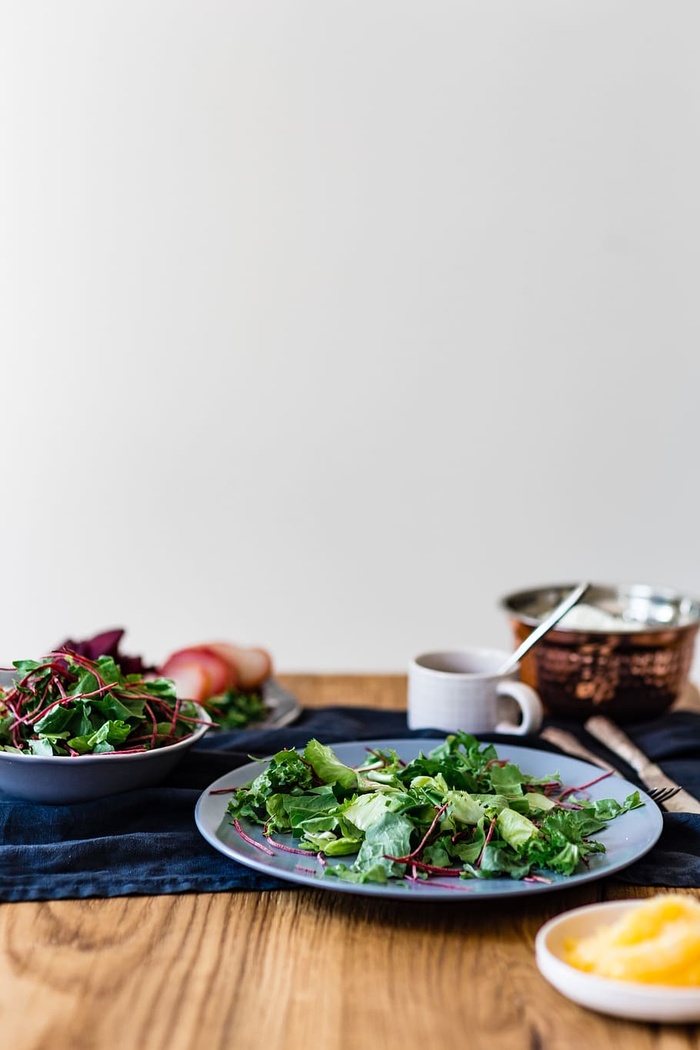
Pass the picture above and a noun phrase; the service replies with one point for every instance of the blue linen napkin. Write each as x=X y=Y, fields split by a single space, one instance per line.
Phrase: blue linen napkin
x=146 y=841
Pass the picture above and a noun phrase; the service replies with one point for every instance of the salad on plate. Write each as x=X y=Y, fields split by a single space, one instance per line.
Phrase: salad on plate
x=457 y=811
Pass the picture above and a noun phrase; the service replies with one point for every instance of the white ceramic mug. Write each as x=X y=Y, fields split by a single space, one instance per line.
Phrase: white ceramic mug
x=462 y=689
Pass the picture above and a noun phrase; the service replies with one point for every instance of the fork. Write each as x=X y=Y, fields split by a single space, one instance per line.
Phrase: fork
x=661 y=795
x=651 y=775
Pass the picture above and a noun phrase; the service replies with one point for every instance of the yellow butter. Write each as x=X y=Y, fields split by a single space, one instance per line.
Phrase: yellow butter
x=656 y=943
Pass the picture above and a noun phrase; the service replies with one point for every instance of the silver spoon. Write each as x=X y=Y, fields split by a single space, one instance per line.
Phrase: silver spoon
x=554 y=617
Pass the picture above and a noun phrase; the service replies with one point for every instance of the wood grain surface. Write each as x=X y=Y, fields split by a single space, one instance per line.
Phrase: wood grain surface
x=297 y=968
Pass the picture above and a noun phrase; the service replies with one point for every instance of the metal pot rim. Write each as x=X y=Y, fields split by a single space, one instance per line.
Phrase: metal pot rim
x=640 y=607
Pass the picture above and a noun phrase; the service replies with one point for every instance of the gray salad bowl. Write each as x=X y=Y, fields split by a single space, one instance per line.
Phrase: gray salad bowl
x=60 y=779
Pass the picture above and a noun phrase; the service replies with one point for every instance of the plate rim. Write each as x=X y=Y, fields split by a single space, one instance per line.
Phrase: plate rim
x=476 y=889
x=285 y=706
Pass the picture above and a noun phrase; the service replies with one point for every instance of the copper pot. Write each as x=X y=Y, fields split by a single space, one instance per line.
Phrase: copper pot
x=625 y=651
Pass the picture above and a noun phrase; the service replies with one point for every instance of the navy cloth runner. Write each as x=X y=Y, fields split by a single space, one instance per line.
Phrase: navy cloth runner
x=146 y=841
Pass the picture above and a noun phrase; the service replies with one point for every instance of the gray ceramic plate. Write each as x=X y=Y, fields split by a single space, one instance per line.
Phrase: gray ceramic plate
x=282 y=705
x=626 y=839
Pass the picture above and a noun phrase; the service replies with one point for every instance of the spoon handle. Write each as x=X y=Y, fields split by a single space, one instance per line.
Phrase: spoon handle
x=546 y=625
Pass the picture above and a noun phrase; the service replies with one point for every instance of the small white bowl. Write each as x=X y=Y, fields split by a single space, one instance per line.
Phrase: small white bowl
x=630 y=999
x=59 y=779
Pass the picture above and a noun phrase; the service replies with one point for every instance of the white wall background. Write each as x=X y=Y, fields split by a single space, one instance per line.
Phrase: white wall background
x=325 y=324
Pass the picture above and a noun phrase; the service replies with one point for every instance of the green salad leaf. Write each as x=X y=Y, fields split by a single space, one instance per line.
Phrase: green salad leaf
x=458 y=811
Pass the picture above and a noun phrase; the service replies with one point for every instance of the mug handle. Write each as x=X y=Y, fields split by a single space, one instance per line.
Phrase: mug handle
x=529 y=703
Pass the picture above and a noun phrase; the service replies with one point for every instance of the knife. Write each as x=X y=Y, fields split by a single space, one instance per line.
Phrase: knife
x=652 y=775
x=571 y=745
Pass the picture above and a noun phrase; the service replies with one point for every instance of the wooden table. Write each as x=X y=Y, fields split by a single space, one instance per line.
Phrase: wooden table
x=298 y=968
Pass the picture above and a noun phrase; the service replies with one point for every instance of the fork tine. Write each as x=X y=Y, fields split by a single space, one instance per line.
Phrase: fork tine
x=661 y=795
